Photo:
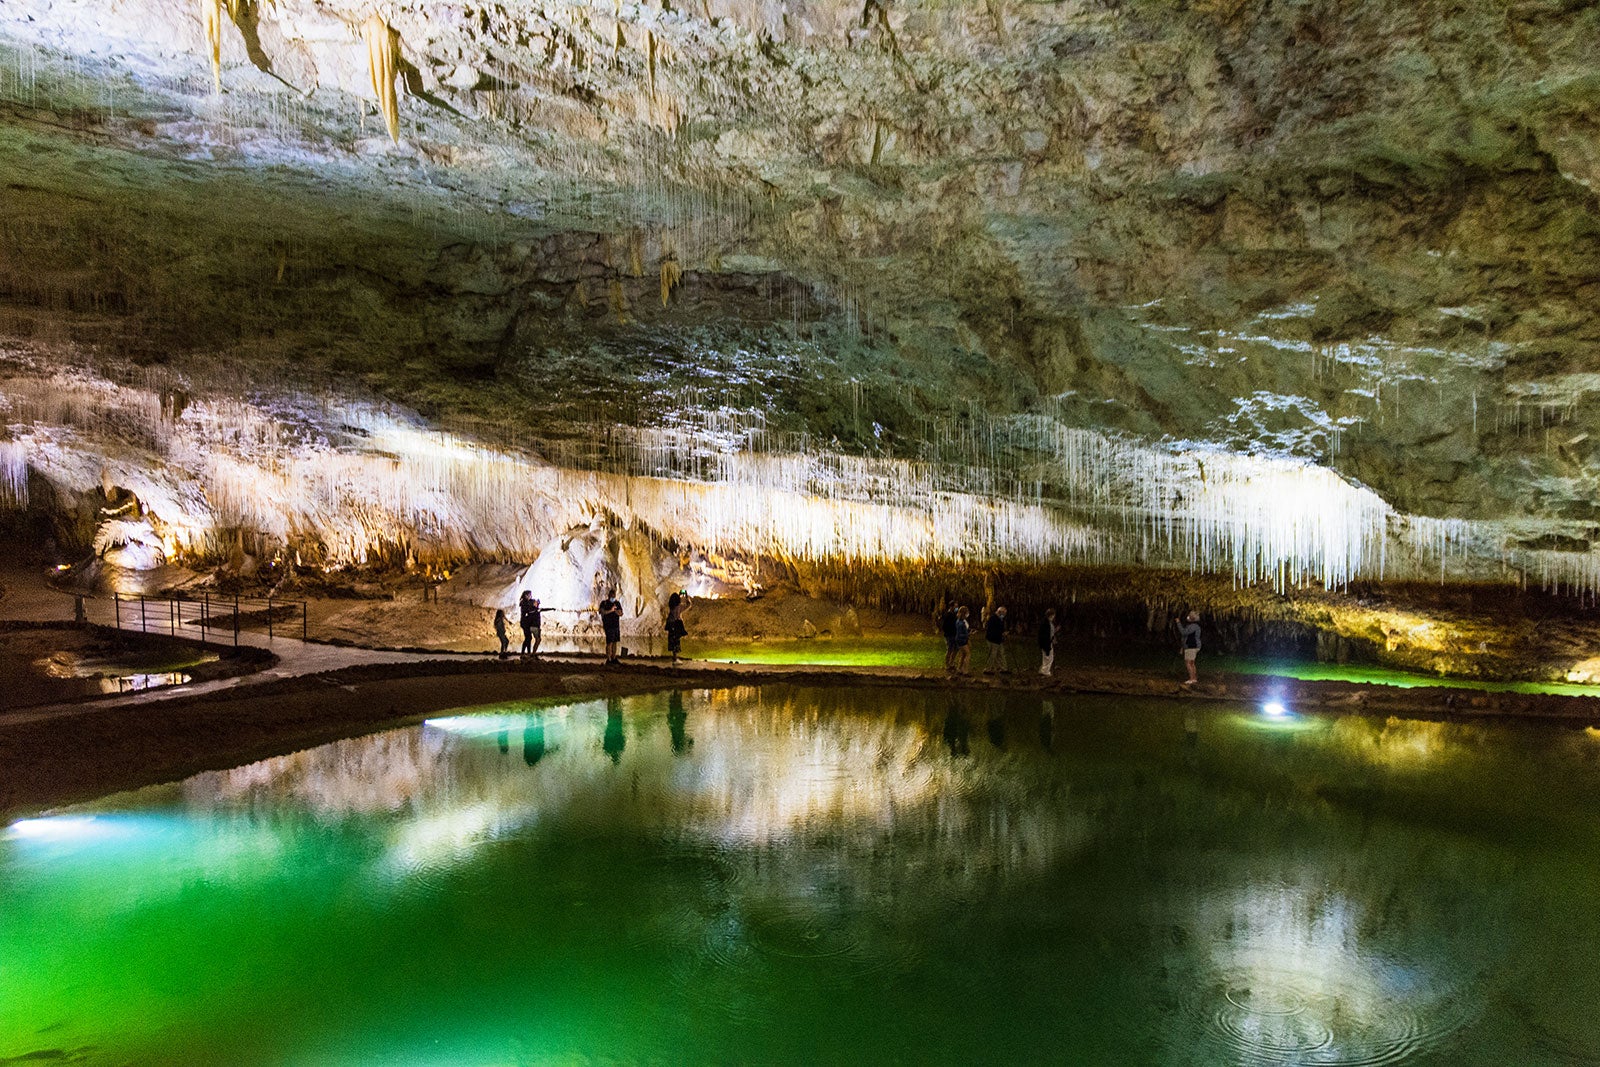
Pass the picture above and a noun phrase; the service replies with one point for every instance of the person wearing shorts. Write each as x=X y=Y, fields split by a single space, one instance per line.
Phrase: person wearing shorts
x=1190 y=633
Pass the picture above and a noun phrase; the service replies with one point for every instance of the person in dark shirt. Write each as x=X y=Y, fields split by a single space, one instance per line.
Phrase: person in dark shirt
x=963 y=641
x=528 y=609
x=1189 y=632
x=502 y=631
x=611 y=623
x=1047 y=642
x=995 y=634
x=947 y=626
x=677 y=604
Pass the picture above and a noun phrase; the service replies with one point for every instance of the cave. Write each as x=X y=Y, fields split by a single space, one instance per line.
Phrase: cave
x=331 y=331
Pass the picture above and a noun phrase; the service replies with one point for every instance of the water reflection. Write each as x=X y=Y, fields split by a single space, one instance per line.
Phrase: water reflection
x=1338 y=891
x=533 y=739
x=614 y=741
x=678 y=724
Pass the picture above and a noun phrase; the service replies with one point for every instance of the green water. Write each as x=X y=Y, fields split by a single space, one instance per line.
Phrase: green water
x=784 y=875
x=927 y=653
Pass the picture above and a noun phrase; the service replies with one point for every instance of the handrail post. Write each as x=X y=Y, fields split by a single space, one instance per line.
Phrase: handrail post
x=172 y=622
x=116 y=600
x=205 y=614
x=303 y=624
x=236 y=620
x=269 y=618
x=142 y=627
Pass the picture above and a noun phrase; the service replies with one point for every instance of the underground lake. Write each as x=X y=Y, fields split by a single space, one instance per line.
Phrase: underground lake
x=792 y=875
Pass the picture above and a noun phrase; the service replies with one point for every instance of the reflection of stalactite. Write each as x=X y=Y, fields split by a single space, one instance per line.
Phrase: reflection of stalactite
x=383 y=60
x=211 y=19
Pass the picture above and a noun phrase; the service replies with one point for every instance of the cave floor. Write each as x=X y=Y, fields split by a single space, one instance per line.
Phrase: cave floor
x=313 y=693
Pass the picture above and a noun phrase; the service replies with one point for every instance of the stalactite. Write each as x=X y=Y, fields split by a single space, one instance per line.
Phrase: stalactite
x=211 y=20
x=671 y=274
x=362 y=480
x=383 y=62
x=636 y=254
x=13 y=474
x=650 y=39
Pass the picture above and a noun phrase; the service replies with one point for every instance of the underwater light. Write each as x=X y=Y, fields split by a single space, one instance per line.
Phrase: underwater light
x=1273 y=709
x=57 y=828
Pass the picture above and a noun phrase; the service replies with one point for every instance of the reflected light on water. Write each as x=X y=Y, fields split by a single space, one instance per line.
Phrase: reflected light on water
x=65 y=828
x=1296 y=981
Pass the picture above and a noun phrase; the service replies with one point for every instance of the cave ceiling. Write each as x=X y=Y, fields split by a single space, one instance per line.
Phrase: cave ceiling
x=1358 y=234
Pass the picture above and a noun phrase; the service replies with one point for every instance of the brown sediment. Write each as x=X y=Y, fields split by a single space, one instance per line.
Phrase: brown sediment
x=85 y=752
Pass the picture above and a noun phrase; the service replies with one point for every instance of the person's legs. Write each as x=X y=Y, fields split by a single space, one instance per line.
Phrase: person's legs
x=537 y=637
x=527 y=639
x=1047 y=661
x=1189 y=656
x=505 y=645
x=963 y=657
x=1005 y=665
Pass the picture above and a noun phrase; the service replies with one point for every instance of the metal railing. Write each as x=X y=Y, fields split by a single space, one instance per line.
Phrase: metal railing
x=209 y=613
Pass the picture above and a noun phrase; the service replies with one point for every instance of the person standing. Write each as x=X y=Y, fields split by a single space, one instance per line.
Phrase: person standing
x=528 y=609
x=947 y=626
x=1047 y=642
x=611 y=623
x=994 y=632
x=502 y=630
x=963 y=640
x=677 y=604
x=1189 y=633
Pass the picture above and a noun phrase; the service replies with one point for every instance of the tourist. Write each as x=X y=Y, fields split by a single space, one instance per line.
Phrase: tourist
x=677 y=604
x=1047 y=642
x=611 y=623
x=529 y=612
x=1189 y=632
x=963 y=640
x=994 y=632
x=502 y=630
x=947 y=626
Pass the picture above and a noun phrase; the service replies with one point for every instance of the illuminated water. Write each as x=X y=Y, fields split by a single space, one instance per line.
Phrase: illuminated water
x=927 y=653
x=805 y=876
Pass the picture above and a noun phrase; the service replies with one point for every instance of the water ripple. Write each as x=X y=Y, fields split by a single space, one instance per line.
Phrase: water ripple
x=1280 y=1017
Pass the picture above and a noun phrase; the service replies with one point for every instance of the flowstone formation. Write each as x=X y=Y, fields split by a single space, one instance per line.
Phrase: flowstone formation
x=1295 y=293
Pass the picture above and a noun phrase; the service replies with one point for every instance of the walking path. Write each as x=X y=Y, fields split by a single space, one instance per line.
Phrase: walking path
x=316 y=693
x=29 y=597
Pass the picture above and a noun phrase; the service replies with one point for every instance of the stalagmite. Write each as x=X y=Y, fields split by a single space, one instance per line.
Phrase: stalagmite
x=383 y=61
x=211 y=19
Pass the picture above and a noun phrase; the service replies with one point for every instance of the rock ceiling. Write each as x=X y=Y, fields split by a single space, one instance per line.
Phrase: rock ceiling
x=1356 y=234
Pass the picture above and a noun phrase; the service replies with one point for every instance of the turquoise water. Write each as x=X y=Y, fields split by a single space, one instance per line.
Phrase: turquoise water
x=784 y=875
x=927 y=653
